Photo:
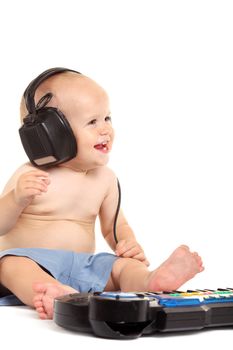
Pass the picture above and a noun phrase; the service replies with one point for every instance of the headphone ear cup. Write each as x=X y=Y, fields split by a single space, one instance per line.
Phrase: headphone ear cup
x=47 y=137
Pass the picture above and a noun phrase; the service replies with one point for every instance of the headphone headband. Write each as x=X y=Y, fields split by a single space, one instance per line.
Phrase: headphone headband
x=29 y=93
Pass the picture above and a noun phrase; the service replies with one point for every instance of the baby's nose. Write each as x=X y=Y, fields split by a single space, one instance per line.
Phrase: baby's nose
x=106 y=129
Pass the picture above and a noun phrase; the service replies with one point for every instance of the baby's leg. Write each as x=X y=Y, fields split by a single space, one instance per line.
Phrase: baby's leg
x=129 y=275
x=132 y=275
x=18 y=274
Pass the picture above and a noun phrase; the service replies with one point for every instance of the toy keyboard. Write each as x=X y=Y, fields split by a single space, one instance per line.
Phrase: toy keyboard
x=121 y=315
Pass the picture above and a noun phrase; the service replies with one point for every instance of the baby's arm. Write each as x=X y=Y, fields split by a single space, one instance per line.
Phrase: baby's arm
x=15 y=200
x=127 y=245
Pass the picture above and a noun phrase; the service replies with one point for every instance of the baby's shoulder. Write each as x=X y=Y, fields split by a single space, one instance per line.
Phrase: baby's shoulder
x=105 y=173
x=106 y=179
x=25 y=167
x=14 y=177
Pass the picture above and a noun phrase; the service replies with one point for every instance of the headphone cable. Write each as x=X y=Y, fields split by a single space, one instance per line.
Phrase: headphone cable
x=117 y=211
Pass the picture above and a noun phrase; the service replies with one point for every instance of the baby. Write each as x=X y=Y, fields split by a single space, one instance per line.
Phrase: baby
x=47 y=236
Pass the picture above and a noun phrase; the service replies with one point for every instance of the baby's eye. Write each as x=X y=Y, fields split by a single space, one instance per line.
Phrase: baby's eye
x=108 y=119
x=92 y=122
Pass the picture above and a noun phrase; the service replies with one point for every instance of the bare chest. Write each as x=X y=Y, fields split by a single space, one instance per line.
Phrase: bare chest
x=70 y=196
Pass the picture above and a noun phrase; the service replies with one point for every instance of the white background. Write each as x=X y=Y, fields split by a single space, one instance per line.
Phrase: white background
x=167 y=67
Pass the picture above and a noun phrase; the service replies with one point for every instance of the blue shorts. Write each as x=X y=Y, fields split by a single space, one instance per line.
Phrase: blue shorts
x=81 y=271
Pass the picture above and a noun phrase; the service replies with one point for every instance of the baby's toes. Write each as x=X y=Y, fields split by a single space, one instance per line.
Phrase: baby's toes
x=202 y=268
x=199 y=260
x=196 y=257
x=40 y=309
x=38 y=304
x=200 y=263
x=37 y=297
x=42 y=315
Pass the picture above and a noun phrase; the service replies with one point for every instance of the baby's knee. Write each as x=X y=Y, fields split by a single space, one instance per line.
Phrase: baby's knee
x=121 y=263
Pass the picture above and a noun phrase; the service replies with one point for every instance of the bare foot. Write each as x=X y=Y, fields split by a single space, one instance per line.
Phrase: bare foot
x=181 y=266
x=45 y=295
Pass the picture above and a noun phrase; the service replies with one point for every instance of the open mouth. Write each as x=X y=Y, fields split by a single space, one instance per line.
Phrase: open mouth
x=103 y=147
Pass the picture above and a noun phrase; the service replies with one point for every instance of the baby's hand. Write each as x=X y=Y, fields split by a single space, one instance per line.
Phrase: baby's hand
x=131 y=249
x=29 y=185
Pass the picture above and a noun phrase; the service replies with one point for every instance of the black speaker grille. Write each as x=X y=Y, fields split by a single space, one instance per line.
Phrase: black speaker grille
x=35 y=142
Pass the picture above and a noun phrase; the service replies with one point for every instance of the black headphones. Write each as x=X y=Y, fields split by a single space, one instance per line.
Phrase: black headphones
x=46 y=134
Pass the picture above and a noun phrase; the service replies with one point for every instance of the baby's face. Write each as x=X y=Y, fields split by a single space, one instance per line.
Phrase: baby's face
x=90 y=119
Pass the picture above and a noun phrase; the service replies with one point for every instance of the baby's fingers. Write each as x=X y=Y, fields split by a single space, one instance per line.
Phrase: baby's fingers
x=37 y=185
x=131 y=252
x=120 y=247
x=141 y=257
x=124 y=247
x=37 y=173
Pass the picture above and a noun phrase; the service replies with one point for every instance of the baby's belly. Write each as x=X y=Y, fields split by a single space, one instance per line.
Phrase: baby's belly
x=51 y=234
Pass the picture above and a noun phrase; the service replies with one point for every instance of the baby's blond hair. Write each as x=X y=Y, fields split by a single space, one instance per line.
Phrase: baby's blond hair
x=23 y=109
